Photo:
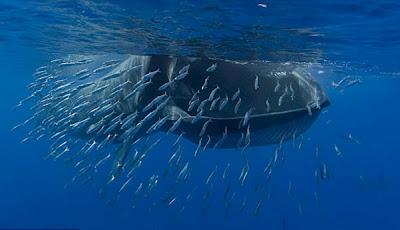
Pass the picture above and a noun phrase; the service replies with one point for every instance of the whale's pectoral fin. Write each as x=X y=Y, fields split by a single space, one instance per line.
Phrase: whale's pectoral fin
x=120 y=159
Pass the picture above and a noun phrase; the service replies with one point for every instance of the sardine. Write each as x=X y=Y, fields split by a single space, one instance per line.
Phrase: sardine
x=212 y=68
x=235 y=95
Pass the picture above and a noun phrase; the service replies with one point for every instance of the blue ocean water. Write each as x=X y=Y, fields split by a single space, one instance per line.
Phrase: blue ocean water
x=359 y=39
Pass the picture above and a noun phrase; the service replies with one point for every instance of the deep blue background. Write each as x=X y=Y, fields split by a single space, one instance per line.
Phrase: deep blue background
x=32 y=192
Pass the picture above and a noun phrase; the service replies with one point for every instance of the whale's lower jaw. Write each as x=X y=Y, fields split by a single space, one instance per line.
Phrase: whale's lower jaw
x=264 y=130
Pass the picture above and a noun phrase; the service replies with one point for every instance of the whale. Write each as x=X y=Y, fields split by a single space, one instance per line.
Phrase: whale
x=214 y=103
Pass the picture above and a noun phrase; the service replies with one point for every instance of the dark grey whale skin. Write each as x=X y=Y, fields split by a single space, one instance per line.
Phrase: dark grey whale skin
x=288 y=120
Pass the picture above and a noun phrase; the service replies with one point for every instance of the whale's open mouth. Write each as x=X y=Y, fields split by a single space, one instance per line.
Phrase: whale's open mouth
x=214 y=103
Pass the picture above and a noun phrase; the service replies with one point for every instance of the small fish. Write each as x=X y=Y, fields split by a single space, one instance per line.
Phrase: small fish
x=205 y=125
x=125 y=184
x=175 y=125
x=158 y=124
x=257 y=208
x=338 y=84
x=163 y=104
x=85 y=85
x=198 y=116
x=337 y=150
x=247 y=139
x=262 y=5
x=214 y=103
x=100 y=162
x=244 y=173
x=268 y=105
x=278 y=85
x=112 y=76
x=236 y=109
x=193 y=104
x=300 y=209
x=128 y=122
x=213 y=92
x=81 y=72
x=165 y=86
x=352 y=139
x=102 y=68
x=17 y=127
x=323 y=172
x=181 y=76
x=212 y=68
x=291 y=91
x=285 y=93
x=256 y=83
x=202 y=104
x=100 y=89
x=207 y=142
x=184 y=69
x=195 y=96
x=198 y=147
x=150 y=75
x=247 y=117
x=205 y=84
x=178 y=139
x=139 y=88
x=183 y=173
x=84 y=76
x=223 y=138
x=240 y=141
x=235 y=95
x=224 y=102
x=157 y=100
x=209 y=178
x=226 y=171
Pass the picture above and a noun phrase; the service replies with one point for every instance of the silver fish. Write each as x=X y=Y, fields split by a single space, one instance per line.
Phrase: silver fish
x=165 y=86
x=214 y=103
x=204 y=86
x=158 y=124
x=181 y=76
x=268 y=105
x=100 y=89
x=175 y=125
x=79 y=73
x=247 y=117
x=337 y=150
x=128 y=122
x=235 y=95
x=155 y=101
x=198 y=147
x=278 y=85
x=256 y=84
x=207 y=142
x=226 y=170
x=212 y=68
x=150 y=75
x=204 y=128
x=285 y=93
x=236 y=109
x=183 y=173
x=213 y=92
x=211 y=175
x=184 y=69
x=291 y=91
x=202 y=104
x=137 y=89
x=198 y=116
x=224 y=102
x=193 y=104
